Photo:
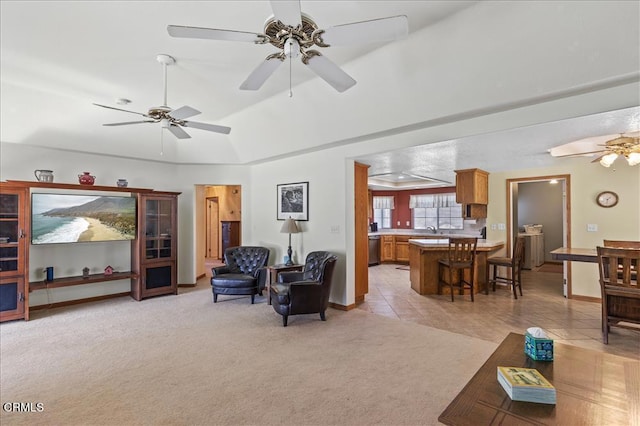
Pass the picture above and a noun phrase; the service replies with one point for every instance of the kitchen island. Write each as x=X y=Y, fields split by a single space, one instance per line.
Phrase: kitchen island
x=423 y=263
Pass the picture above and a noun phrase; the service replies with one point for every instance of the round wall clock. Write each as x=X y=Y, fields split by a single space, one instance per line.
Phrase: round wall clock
x=607 y=199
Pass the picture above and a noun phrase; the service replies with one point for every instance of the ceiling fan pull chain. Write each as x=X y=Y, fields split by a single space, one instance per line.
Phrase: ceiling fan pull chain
x=161 y=141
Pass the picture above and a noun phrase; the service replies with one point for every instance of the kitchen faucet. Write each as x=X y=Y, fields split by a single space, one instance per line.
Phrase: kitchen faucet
x=432 y=229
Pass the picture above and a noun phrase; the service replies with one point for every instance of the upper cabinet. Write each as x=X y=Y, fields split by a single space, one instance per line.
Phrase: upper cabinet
x=472 y=186
x=472 y=191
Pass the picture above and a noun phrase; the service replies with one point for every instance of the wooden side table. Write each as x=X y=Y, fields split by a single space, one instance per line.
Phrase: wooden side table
x=272 y=275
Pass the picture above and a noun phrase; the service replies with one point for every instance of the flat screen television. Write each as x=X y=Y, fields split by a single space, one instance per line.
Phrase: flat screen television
x=72 y=218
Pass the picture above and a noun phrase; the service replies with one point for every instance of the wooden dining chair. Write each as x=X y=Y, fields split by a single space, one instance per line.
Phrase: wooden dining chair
x=513 y=266
x=451 y=270
x=627 y=245
x=622 y=244
x=619 y=287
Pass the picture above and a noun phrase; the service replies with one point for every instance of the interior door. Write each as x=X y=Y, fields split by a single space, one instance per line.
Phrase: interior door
x=213 y=229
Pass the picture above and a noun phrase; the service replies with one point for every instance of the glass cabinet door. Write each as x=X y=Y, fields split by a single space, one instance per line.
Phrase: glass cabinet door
x=12 y=298
x=159 y=228
x=12 y=238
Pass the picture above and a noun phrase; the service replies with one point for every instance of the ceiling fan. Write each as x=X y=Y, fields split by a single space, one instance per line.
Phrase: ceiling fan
x=295 y=33
x=170 y=119
x=609 y=147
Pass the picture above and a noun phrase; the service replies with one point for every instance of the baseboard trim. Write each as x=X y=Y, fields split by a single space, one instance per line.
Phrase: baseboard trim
x=78 y=301
x=187 y=285
x=586 y=298
x=341 y=307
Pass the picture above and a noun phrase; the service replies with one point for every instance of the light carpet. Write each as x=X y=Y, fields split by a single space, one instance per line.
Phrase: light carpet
x=183 y=360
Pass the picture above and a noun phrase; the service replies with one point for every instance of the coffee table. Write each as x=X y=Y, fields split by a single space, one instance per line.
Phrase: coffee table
x=593 y=388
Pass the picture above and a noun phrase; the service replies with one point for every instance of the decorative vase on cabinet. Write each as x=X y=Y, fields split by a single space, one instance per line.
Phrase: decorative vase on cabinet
x=86 y=179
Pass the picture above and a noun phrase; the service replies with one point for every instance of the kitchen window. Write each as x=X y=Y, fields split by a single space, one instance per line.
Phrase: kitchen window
x=382 y=207
x=439 y=211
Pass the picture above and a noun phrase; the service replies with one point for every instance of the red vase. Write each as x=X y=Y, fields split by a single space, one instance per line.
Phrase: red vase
x=86 y=179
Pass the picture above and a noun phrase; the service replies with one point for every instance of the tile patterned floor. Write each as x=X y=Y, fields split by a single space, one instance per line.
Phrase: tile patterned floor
x=493 y=316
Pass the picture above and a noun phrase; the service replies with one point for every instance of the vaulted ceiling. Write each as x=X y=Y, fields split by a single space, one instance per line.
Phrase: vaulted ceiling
x=58 y=58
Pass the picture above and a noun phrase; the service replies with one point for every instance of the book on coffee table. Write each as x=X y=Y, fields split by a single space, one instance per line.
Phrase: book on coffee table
x=526 y=384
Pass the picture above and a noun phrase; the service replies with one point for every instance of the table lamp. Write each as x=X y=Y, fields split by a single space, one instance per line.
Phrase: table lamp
x=289 y=227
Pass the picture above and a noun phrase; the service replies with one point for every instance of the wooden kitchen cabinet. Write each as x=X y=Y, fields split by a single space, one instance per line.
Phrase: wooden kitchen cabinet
x=387 y=251
x=474 y=211
x=402 y=248
x=472 y=186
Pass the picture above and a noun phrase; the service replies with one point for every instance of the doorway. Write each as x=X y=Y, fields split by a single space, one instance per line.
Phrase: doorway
x=217 y=208
x=541 y=200
x=212 y=248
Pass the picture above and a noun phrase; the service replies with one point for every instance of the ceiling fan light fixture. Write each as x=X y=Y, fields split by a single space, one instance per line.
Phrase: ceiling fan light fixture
x=291 y=48
x=633 y=158
x=608 y=159
x=165 y=123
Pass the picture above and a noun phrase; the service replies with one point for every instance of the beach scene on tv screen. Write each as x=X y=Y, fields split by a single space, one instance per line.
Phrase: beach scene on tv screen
x=61 y=218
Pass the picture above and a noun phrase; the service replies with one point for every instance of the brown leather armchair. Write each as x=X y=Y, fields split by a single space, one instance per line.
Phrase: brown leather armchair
x=305 y=292
x=244 y=272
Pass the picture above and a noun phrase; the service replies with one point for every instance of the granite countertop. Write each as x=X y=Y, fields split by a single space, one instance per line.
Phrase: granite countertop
x=428 y=243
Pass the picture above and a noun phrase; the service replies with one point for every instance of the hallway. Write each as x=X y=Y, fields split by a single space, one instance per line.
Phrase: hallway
x=492 y=317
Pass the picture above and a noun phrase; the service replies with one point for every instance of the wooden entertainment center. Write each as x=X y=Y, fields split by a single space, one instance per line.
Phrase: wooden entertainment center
x=153 y=251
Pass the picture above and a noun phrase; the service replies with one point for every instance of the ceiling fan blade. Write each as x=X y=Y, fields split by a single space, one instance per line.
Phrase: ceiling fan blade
x=598 y=159
x=209 y=127
x=183 y=112
x=129 y=122
x=120 y=109
x=213 y=34
x=330 y=72
x=178 y=132
x=373 y=31
x=577 y=154
x=288 y=12
x=257 y=78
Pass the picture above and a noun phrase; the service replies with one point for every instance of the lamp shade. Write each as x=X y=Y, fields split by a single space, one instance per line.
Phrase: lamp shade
x=289 y=227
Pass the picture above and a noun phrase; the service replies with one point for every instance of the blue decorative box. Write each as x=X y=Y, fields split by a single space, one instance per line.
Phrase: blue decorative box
x=537 y=348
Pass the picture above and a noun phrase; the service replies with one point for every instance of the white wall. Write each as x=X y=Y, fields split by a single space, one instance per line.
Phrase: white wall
x=587 y=180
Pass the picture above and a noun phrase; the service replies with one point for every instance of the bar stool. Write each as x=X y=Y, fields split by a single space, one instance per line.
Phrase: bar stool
x=461 y=256
x=513 y=263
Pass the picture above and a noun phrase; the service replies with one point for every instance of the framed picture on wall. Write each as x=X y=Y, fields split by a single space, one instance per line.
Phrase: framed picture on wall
x=293 y=201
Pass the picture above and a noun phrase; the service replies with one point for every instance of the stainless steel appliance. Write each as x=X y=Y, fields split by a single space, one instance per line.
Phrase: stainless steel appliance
x=374 y=250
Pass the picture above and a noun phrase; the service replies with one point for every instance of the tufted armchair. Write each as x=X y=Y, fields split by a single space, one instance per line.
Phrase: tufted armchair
x=244 y=272
x=305 y=292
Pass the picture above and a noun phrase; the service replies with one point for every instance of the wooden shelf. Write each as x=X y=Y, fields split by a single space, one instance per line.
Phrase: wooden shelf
x=54 y=185
x=80 y=280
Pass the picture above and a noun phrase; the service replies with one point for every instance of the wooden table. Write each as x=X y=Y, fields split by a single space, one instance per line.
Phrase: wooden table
x=423 y=263
x=593 y=388
x=272 y=275
x=575 y=254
